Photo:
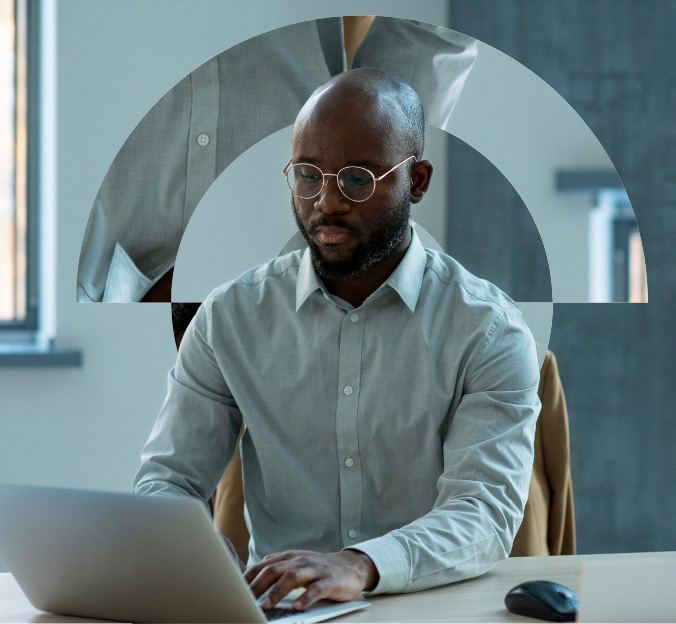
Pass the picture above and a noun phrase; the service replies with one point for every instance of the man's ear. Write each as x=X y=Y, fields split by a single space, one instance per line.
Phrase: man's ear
x=421 y=174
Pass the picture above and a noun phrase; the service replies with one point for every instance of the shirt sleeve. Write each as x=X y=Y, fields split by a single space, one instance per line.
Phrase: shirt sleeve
x=140 y=205
x=488 y=458
x=434 y=60
x=195 y=434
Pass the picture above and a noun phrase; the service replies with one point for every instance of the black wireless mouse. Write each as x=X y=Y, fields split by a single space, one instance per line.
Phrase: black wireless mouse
x=543 y=600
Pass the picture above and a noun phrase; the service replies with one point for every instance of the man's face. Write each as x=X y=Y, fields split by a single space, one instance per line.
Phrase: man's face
x=347 y=237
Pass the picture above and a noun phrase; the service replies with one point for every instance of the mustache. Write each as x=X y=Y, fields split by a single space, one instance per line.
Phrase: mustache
x=326 y=222
x=320 y=221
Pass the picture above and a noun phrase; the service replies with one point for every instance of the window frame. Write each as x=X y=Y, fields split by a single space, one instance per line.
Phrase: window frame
x=30 y=342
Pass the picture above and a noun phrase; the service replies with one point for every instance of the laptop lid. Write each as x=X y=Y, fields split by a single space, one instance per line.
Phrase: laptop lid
x=124 y=557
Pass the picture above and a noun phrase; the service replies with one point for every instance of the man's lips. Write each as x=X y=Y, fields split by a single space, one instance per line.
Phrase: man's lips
x=332 y=235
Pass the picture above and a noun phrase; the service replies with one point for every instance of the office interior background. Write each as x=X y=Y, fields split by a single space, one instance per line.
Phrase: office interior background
x=103 y=65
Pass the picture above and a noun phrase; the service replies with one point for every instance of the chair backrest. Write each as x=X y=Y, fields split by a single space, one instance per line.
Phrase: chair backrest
x=227 y=505
x=548 y=526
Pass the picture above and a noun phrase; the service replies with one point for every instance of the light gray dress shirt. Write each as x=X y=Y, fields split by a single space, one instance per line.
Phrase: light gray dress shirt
x=220 y=110
x=402 y=428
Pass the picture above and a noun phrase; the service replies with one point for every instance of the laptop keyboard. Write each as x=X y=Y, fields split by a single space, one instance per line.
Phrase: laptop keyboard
x=278 y=612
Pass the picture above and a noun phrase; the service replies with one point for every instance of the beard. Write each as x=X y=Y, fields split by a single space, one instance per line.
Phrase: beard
x=382 y=242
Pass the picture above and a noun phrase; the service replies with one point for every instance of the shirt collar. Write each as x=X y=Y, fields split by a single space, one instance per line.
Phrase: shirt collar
x=405 y=280
x=307 y=281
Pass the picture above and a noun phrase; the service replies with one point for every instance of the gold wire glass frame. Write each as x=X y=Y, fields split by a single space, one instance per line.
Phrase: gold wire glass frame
x=340 y=181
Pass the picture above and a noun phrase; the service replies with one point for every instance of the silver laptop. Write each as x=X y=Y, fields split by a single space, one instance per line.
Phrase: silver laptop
x=131 y=558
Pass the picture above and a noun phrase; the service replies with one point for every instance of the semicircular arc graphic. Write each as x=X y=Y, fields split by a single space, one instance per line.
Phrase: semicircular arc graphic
x=506 y=113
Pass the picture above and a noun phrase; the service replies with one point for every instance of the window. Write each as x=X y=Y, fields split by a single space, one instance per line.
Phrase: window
x=618 y=267
x=27 y=105
x=18 y=166
x=617 y=271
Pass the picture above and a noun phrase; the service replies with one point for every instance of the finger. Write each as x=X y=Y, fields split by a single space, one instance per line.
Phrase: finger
x=270 y=575
x=318 y=590
x=288 y=581
x=254 y=570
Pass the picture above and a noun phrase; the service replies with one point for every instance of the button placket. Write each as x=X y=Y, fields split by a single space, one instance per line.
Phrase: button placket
x=349 y=375
x=201 y=159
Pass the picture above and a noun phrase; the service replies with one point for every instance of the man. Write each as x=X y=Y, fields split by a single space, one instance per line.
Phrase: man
x=389 y=396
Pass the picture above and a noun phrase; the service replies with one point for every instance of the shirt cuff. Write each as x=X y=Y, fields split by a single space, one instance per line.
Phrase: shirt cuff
x=125 y=282
x=391 y=562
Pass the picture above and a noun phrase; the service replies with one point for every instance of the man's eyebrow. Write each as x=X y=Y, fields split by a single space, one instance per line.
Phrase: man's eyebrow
x=368 y=164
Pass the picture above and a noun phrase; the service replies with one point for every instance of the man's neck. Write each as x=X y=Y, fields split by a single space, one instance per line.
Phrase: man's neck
x=355 y=290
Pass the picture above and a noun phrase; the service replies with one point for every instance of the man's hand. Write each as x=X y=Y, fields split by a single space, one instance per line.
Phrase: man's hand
x=340 y=576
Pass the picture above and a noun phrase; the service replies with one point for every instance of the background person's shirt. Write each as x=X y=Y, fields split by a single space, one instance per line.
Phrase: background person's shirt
x=403 y=428
x=219 y=111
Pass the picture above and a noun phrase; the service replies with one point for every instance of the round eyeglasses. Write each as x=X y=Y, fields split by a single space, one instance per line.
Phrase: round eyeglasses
x=356 y=183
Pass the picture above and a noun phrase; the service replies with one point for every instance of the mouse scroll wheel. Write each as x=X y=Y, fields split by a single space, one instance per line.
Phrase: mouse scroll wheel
x=562 y=595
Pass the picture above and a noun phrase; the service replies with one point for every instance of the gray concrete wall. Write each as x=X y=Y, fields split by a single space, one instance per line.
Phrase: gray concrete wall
x=486 y=217
x=613 y=62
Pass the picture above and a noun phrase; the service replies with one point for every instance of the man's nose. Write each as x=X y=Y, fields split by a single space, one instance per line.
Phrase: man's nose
x=331 y=199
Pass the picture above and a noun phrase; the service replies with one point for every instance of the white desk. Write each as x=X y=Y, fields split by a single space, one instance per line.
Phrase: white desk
x=476 y=600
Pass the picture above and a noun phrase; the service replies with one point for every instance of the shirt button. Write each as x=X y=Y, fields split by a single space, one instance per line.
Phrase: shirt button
x=352 y=533
x=203 y=140
x=348 y=390
x=354 y=318
x=349 y=462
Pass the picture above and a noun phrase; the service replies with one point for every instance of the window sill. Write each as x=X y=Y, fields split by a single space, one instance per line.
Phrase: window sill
x=38 y=356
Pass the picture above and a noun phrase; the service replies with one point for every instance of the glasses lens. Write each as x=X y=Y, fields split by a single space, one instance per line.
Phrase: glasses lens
x=305 y=180
x=357 y=183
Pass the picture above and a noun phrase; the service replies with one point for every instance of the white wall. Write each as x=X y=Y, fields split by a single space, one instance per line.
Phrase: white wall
x=85 y=427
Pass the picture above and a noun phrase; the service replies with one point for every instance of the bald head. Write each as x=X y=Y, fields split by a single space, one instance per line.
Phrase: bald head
x=354 y=175
x=379 y=96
